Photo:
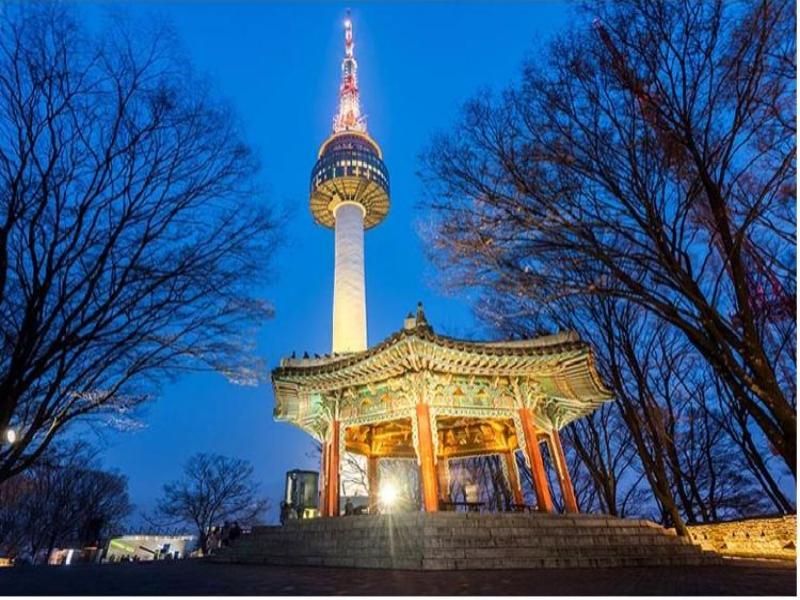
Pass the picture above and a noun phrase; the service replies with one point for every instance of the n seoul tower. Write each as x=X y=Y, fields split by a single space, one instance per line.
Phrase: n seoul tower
x=349 y=193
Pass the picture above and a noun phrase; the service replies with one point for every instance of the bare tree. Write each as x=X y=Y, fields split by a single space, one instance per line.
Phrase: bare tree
x=648 y=156
x=11 y=535
x=354 y=480
x=604 y=449
x=66 y=499
x=690 y=462
x=213 y=489
x=667 y=426
x=487 y=473
x=132 y=240
x=736 y=423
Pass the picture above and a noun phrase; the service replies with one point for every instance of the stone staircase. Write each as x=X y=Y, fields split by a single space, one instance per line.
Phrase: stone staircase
x=446 y=541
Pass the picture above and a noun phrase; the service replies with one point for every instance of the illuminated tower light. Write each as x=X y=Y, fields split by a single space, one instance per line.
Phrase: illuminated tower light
x=349 y=193
x=349 y=117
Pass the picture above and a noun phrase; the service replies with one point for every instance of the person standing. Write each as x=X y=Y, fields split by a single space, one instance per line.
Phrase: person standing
x=236 y=531
x=212 y=543
x=226 y=532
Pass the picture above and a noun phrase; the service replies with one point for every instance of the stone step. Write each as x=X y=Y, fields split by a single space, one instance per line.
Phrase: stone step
x=571 y=541
x=462 y=520
x=562 y=563
x=467 y=519
x=468 y=541
x=459 y=553
x=449 y=531
x=559 y=546
x=485 y=550
x=501 y=560
x=433 y=563
x=468 y=532
x=567 y=541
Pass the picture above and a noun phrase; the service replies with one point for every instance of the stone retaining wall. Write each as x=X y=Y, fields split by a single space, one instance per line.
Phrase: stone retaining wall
x=764 y=537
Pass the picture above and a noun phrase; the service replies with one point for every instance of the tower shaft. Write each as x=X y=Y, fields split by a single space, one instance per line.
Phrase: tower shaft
x=349 y=295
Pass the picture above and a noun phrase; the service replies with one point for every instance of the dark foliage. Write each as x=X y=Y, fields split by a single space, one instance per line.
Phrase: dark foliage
x=131 y=235
x=65 y=501
x=638 y=186
x=214 y=489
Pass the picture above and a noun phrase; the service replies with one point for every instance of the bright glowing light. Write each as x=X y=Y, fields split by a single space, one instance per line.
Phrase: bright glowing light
x=349 y=117
x=11 y=436
x=388 y=494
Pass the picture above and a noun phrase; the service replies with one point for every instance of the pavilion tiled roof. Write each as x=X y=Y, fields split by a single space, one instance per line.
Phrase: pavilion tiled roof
x=418 y=347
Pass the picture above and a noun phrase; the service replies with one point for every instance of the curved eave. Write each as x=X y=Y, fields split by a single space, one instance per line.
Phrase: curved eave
x=294 y=407
x=568 y=362
x=307 y=366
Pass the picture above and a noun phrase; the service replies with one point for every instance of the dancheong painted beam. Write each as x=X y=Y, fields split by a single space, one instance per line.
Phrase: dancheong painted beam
x=554 y=376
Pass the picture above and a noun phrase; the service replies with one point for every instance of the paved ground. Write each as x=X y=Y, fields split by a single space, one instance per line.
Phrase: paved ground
x=196 y=577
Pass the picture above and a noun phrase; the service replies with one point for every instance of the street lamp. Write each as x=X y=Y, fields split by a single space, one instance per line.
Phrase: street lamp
x=11 y=436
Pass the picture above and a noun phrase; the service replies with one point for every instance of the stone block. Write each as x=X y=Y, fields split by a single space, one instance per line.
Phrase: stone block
x=444 y=553
x=487 y=552
x=438 y=564
x=338 y=561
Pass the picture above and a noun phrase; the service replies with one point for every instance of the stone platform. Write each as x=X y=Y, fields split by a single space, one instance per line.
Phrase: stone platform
x=449 y=541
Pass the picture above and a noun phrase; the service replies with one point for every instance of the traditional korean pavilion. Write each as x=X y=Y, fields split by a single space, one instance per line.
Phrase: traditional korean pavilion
x=433 y=398
x=417 y=394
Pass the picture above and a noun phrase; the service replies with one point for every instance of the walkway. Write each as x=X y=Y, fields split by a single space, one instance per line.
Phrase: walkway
x=197 y=577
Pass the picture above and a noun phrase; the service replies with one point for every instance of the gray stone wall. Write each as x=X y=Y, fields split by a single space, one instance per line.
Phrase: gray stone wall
x=770 y=537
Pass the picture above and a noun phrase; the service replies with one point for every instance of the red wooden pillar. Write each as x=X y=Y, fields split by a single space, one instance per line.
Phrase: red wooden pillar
x=513 y=476
x=373 y=481
x=427 y=462
x=323 y=492
x=564 y=480
x=332 y=481
x=536 y=462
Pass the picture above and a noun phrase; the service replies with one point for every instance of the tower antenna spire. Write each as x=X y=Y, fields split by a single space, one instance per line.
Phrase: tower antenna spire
x=349 y=117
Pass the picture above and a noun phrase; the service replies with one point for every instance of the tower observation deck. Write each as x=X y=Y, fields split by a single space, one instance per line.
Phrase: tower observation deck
x=349 y=193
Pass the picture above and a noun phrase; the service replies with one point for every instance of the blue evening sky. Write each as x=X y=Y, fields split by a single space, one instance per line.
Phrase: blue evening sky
x=279 y=65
